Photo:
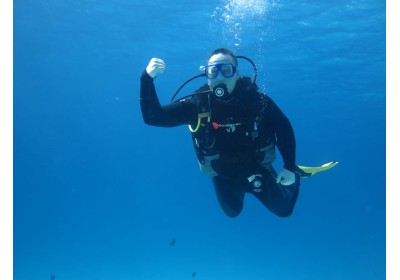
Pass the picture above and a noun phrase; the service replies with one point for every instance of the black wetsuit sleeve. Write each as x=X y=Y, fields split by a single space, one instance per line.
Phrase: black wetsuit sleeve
x=285 y=138
x=171 y=115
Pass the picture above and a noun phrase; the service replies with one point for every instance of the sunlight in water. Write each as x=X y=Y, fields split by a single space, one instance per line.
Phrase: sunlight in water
x=244 y=24
x=234 y=18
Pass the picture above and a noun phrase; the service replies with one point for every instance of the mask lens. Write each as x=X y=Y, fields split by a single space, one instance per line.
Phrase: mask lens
x=211 y=71
x=227 y=70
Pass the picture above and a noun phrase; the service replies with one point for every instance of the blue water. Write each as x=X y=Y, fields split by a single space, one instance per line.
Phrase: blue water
x=100 y=195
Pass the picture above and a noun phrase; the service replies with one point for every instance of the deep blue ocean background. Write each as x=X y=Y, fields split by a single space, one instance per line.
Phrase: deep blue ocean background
x=99 y=195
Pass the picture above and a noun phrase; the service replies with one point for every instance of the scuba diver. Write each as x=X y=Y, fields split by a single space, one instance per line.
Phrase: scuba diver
x=235 y=129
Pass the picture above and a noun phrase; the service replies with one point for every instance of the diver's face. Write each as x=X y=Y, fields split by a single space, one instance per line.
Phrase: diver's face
x=220 y=78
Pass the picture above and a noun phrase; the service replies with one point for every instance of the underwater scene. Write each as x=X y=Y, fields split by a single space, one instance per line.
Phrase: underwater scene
x=99 y=194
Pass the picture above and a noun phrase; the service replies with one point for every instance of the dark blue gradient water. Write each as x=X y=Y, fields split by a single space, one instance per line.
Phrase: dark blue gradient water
x=100 y=195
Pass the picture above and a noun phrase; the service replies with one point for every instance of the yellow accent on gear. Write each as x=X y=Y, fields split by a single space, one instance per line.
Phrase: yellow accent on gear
x=200 y=117
x=314 y=170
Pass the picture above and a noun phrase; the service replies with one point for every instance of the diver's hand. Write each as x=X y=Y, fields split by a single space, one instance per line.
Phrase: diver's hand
x=156 y=65
x=286 y=177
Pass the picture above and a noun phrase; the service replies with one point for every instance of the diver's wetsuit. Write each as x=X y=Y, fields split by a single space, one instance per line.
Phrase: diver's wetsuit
x=236 y=147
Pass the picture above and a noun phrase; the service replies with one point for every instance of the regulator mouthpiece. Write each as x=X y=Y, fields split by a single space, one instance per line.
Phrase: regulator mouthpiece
x=220 y=91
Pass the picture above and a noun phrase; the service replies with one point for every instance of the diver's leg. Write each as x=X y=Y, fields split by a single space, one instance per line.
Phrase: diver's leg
x=230 y=195
x=277 y=198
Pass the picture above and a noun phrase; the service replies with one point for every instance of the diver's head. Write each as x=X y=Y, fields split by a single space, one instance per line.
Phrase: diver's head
x=221 y=72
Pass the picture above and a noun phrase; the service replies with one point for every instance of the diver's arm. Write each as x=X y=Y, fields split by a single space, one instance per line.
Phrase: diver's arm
x=154 y=114
x=285 y=137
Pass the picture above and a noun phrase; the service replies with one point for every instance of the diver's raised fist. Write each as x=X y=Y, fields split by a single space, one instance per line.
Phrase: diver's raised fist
x=156 y=65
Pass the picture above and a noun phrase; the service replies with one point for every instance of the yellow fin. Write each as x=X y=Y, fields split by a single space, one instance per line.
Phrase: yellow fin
x=306 y=171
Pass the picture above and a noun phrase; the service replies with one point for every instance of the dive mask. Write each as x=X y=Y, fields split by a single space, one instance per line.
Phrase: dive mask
x=227 y=70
